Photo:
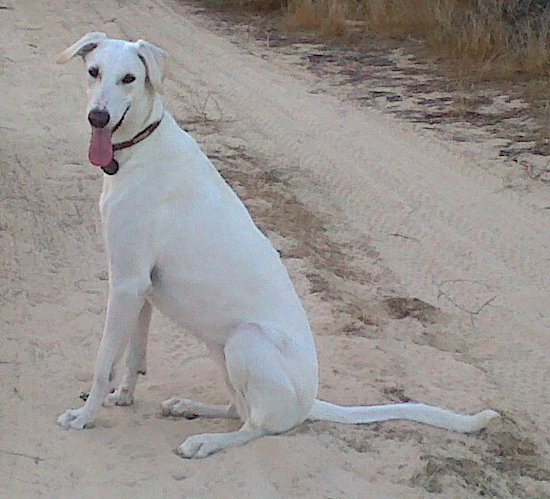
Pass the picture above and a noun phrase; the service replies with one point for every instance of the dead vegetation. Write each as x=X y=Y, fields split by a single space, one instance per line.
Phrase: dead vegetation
x=494 y=38
x=485 y=39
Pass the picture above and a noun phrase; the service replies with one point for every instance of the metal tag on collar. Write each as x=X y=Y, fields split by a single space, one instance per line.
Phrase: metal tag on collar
x=111 y=168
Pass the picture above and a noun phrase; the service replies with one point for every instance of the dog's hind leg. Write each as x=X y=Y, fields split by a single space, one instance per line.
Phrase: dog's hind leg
x=191 y=409
x=135 y=361
x=269 y=395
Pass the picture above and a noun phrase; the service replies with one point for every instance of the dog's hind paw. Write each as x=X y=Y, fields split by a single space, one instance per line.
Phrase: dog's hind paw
x=75 y=418
x=119 y=397
x=176 y=406
x=199 y=446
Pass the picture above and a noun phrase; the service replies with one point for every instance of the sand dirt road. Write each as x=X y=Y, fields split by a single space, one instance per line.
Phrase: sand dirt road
x=425 y=279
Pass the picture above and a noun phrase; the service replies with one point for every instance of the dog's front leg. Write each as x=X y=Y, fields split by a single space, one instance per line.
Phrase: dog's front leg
x=126 y=301
x=135 y=361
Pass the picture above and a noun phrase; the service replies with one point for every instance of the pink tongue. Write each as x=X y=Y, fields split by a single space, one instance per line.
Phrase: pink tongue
x=101 y=147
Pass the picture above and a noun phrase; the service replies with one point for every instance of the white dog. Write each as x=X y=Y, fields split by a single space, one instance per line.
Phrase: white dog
x=180 y=239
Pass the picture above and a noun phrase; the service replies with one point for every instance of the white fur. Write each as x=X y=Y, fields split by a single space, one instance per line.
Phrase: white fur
x=179 y=238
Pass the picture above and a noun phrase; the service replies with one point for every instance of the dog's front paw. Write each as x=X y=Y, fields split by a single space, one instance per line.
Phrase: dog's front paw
x=75 y=418
x=119 y=397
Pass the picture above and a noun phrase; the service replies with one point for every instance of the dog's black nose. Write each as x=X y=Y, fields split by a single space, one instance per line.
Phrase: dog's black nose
x=98 y=118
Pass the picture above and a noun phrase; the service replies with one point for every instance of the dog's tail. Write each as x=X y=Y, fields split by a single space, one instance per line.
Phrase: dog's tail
x=421 y=413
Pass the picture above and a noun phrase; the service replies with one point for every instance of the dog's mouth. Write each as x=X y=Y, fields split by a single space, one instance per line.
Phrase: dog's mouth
x=100 y=152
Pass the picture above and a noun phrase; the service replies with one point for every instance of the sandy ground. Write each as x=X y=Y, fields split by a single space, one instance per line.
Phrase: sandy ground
x=424 y=273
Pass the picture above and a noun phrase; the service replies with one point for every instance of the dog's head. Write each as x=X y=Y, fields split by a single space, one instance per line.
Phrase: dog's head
x=123 y=78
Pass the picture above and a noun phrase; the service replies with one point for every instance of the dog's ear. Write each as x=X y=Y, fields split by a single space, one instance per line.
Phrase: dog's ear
x=154 y=59
x=85 y=45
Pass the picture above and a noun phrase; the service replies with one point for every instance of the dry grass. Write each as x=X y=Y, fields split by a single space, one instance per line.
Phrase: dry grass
x=327 y=17
x=493 y=39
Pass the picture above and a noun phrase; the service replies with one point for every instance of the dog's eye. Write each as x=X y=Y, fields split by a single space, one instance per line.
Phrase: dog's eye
x=93 y=71
x=129 y=78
